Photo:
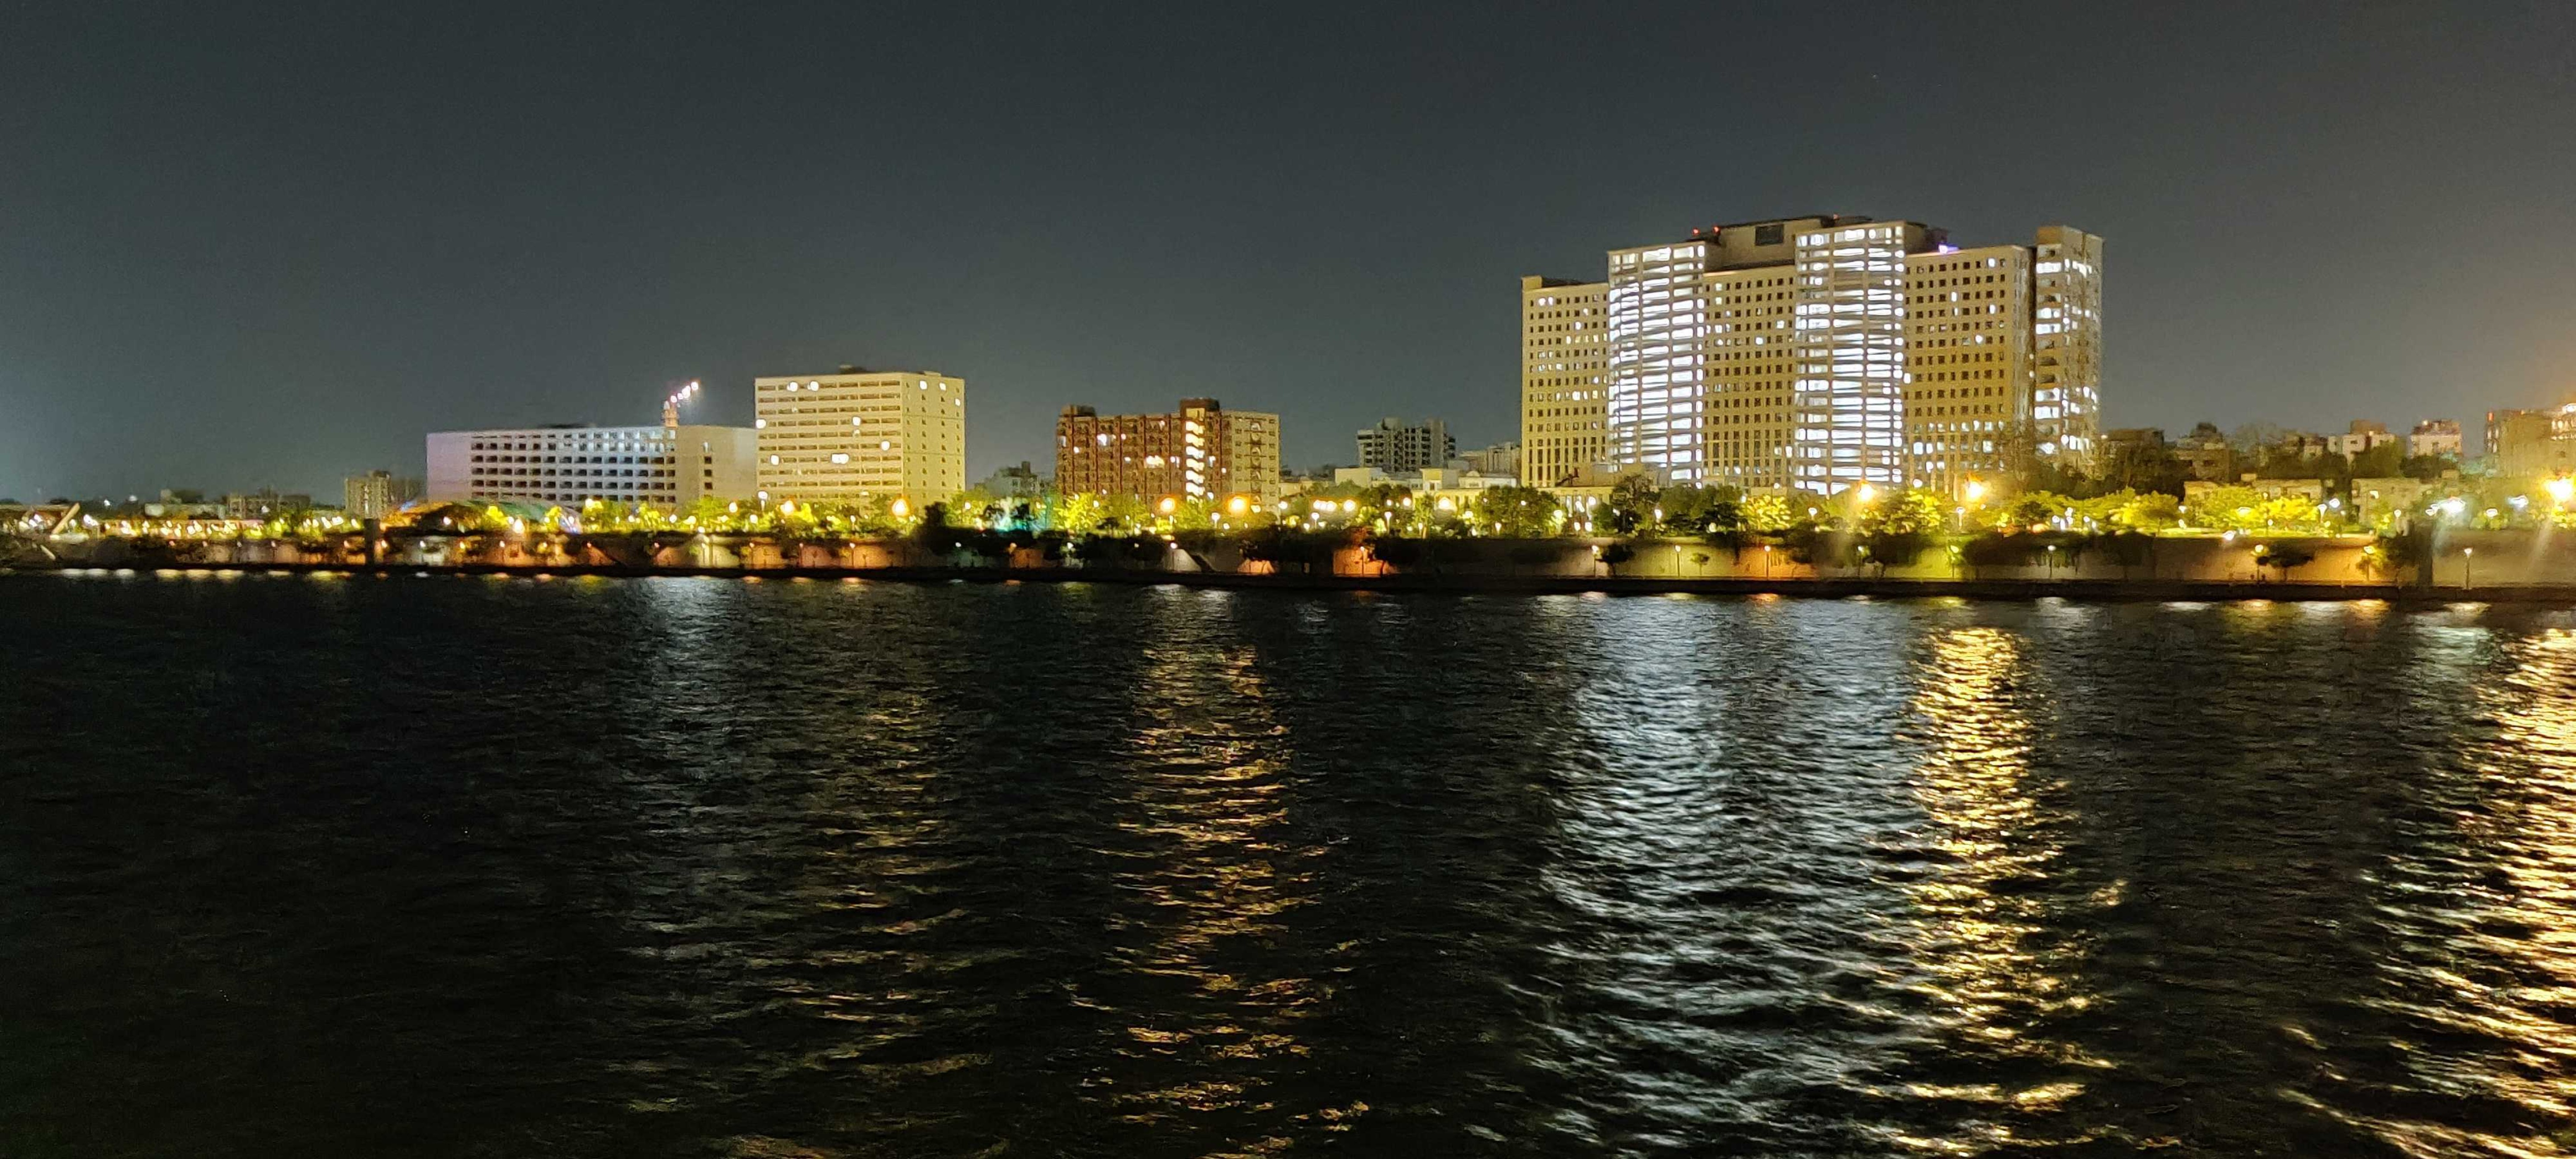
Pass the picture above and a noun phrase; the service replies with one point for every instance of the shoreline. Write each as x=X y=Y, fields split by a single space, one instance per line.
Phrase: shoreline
x=1828 y=587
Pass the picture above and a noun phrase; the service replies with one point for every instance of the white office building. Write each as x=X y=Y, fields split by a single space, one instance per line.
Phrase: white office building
x=566 y=466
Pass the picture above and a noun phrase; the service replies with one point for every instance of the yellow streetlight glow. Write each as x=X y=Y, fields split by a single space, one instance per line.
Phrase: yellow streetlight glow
x=1237 y=506
x=1867 y=492
x=2560 y=489
x=1168 y=505
x=1975 y=491
x=900 y=507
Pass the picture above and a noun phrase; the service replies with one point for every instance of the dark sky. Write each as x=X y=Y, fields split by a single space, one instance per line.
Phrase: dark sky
x=248 y=245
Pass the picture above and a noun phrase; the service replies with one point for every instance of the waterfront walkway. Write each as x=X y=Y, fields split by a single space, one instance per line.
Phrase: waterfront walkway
x=1828 y=587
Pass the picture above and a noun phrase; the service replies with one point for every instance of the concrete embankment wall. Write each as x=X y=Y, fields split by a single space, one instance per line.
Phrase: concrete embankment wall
x=2487 y=559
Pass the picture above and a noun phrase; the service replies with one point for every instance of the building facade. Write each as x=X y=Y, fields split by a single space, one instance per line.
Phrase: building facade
x=2205 y=453
x=1817 y=353
x=566 y=466
x=1200 y=451
x=2362 y=436
x=1396 y=447
x=2435 y=437
x=857 y=434
x=1564 y=363
x=1020 y=482
x=372 y=495
x=2523 y=444
x=1499 y=459
x=264 y=503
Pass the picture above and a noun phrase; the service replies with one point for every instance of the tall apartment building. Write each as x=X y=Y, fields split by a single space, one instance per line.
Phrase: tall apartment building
x=374 y=494
x=858 y=433
x=1201 y=451
x=1817 y=353
x=670 y=466
x=1565 y=353
x=1396 y=448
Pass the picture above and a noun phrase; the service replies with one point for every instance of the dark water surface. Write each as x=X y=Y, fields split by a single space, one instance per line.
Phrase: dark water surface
x=305 y=866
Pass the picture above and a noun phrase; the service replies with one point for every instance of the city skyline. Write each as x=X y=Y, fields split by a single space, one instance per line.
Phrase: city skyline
x=198 y=303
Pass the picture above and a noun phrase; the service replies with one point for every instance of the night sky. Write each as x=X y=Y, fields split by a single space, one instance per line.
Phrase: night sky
x=246 y=245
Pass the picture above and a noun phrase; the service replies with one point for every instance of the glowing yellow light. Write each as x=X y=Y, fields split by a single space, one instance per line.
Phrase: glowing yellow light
x=1975 y=491
x=1168 y=505
x=900 y=507
x=1350 y=505
x=1237 y=506
x=2560 y=489
x=1867 y=492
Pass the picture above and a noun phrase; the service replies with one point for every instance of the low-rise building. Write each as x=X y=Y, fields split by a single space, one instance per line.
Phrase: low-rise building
x=2363 y=436
x=1444 y=486
x=2194 y=491
x=2378 y=501
x=264 y=504
x=2206 y=454
x=2302 y=445
x=1020 y=482
x=1201 y=451
x=2433 y=438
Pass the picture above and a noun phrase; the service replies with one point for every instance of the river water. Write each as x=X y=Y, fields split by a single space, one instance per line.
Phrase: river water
x=500 y=867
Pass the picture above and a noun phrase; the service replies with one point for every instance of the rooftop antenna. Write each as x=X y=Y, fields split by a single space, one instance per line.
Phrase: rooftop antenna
x=671 y=405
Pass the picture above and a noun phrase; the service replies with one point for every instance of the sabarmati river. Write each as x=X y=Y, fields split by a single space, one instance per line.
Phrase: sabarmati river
x=509 y=867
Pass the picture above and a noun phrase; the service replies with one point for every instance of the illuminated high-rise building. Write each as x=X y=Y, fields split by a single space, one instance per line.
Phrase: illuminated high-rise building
x=857 y=433
x=1565 y=329
x=1818 y=353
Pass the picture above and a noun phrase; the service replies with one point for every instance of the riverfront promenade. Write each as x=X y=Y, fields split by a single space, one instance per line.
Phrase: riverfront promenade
x=1463 y=583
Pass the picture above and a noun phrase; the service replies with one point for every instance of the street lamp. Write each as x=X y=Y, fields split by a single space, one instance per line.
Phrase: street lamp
x=2468 y=572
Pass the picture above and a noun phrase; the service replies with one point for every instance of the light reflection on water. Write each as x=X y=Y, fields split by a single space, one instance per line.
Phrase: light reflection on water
x=698 y=867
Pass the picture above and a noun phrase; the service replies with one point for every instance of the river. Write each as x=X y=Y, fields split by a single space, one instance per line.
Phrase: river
x=304 y=865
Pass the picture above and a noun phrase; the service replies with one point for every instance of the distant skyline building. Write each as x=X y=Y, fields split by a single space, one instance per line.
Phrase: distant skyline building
x=1818 y=353
x=1499 y=459
x=265 y=503
x=668 y=466
x=2434 y=437
x=2206 y=453
x=1200 y=451
x=1397 y=447
x=376 y=493
x=857 y=433
x=2362 y=436
x=1015 y=482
